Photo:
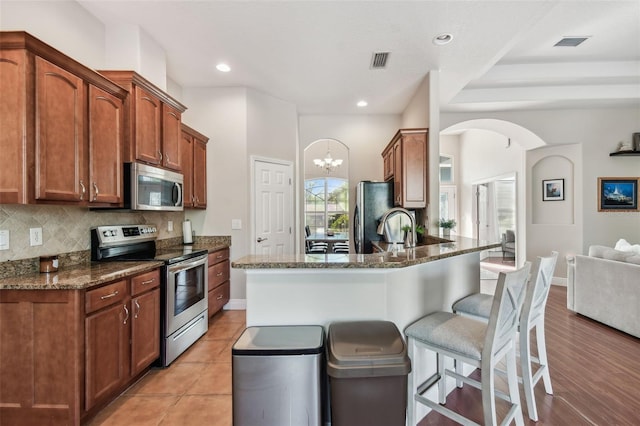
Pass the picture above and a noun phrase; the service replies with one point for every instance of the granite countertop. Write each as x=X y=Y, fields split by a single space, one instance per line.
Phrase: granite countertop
x=385 y=258
x=78 y=277
x=89 y=274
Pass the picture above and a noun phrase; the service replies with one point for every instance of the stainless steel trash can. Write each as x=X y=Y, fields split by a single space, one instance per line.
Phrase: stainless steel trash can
x=278 y=376
x=367 y=365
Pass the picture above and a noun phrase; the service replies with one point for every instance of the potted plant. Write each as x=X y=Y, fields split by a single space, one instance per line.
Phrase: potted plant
x=447 y=225
x=419 y=232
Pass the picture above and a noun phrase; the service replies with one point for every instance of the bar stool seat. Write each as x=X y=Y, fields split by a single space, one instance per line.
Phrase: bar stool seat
x=480 y=344
x=478 y=306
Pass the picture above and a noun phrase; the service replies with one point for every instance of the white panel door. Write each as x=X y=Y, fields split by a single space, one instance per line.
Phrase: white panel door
x=273 y=204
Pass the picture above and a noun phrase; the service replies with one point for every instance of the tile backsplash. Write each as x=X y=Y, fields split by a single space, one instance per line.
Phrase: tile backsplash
x=66 y=229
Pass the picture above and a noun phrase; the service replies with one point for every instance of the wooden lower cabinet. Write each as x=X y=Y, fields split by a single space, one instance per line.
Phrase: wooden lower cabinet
x=65 y=354
x=219 y=285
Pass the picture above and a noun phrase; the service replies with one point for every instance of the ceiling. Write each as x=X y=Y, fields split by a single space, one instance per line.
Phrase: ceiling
x=317 y=54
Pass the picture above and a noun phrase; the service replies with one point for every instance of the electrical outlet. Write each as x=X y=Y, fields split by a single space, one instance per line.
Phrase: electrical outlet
x=236 y=224
x=35 y=236
x=170 y=226
x=4 y=239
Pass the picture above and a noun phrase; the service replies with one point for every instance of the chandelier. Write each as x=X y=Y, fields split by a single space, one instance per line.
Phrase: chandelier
x=327 y=163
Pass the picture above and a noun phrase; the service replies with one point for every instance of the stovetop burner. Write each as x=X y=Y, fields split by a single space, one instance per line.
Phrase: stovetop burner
x=135 y=242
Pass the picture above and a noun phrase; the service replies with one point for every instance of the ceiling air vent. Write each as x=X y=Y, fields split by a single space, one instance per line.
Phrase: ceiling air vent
x=571 y=41
x=379 y=60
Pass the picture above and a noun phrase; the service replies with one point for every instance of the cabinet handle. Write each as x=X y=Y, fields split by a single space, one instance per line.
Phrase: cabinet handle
x=219 y=274
x=219 y=297
x=167 y=160
x=83 y=190
x=109 y=296
x=137 y=309
x=148 y=281
x=127 y=312
x=95 y=189
x=219 y=256
x=160 y=155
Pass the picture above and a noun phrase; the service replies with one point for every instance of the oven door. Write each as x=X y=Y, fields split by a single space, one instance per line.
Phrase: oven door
x=186 y=292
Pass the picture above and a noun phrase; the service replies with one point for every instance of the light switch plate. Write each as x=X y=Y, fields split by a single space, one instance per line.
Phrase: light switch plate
x=4 y=239
x=236 y=224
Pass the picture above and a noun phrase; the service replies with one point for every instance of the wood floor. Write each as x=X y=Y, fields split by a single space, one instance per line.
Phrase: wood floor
x=595 y=372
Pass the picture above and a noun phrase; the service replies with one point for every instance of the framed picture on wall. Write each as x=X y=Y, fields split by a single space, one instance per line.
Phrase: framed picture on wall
x=618 y=194
x=553 y=190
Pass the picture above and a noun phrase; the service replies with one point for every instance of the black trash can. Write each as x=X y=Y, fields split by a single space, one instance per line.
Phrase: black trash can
x=367 y=365
x=278 y=376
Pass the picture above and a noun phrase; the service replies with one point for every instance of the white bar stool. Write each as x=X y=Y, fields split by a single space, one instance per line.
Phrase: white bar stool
x=473 y=342
x=478 y=306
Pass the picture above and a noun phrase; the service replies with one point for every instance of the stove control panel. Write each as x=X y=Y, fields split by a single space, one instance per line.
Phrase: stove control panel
x=109 y=235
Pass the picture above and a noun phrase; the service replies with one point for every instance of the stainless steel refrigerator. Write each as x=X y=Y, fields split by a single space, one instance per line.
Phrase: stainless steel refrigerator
x=373 y=199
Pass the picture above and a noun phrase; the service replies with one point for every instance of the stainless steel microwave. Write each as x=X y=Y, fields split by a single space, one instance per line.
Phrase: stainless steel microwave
x=151 y=188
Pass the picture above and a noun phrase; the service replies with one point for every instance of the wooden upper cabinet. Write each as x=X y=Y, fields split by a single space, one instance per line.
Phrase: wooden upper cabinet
x=60 y=146
x=194 y=162
x=147 y=110
x=406 y=163
x=47 y=116
x=106 y=114
x=13 y=122
x=171 y=133
x=186 y=147
x=152 y=122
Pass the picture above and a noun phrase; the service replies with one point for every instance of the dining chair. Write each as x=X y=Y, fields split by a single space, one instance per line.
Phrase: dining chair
x=313 y=246
x=480 y=344
x=532 y=316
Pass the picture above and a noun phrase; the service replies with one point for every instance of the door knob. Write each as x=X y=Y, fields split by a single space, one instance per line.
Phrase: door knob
x=260 y=239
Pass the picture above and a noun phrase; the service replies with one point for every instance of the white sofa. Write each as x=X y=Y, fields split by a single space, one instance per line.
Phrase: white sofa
x=605 y=286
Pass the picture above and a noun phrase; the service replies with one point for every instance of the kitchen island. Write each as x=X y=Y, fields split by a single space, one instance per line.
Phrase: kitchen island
x=398 y=285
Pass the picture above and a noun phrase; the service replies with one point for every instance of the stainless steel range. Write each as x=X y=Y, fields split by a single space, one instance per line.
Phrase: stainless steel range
x=184 y=281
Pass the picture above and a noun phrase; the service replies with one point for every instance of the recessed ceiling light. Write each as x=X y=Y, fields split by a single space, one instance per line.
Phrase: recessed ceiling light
x=442 y=39
x=223 y=67
x=362 y=104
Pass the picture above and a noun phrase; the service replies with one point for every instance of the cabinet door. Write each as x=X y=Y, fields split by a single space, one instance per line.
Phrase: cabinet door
x=187 y=168
x=171 y=152
x=13 y=124
x=145 y=330
x=60 y=143
x=105 y=147
x=107 y=350
x=200 y=173
x=398 y=173
x=147 y=127
x=414 y=178
x=387 y=158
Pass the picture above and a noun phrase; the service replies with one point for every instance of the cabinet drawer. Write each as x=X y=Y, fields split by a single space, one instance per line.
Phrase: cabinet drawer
x=104 y=296
x=218 y=274
x=144 y=282
x=218 y=256
x=218 y=297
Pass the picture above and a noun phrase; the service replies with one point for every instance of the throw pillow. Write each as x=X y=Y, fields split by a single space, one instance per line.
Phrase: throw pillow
x=624 y=245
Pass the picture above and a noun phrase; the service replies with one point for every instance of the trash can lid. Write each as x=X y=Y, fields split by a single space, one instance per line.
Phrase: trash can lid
x=366 y=349
x=280 y=340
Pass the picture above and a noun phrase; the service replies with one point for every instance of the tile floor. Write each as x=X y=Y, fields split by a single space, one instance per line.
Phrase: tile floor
x=194 y=390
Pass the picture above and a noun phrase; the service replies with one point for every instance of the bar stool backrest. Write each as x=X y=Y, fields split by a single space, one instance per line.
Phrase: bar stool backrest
x=505 y=311
x=538 y=291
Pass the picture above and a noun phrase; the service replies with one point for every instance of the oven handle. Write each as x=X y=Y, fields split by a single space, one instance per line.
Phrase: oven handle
x=188 y=264
x=183 y=332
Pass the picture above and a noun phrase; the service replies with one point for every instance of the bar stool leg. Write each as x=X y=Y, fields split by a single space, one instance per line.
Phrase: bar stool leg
x=411 y=402
x=488 y=395
x=542 y=355
x=527 y=379
x=512 y=377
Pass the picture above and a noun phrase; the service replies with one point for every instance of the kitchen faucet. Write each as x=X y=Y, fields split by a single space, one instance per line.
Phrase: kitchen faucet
x=394 y=210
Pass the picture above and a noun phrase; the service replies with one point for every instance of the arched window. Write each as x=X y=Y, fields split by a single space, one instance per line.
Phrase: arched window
x=326 y=204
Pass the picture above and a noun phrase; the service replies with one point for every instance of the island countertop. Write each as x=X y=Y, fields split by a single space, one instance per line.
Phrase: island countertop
x=386 y=258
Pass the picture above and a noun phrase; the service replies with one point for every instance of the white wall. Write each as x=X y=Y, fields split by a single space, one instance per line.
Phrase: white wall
x=64 y=25
x=598 y=132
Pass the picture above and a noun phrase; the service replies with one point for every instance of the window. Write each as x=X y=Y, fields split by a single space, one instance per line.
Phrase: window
x=446 y=169
x=326 y=204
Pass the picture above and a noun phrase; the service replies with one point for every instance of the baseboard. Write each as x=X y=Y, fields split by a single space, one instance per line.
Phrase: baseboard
x=559 y=281
x=236 y=305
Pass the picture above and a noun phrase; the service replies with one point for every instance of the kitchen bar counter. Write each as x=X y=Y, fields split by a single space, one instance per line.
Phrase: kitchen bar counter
x=398 y=286
x=385 y=258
